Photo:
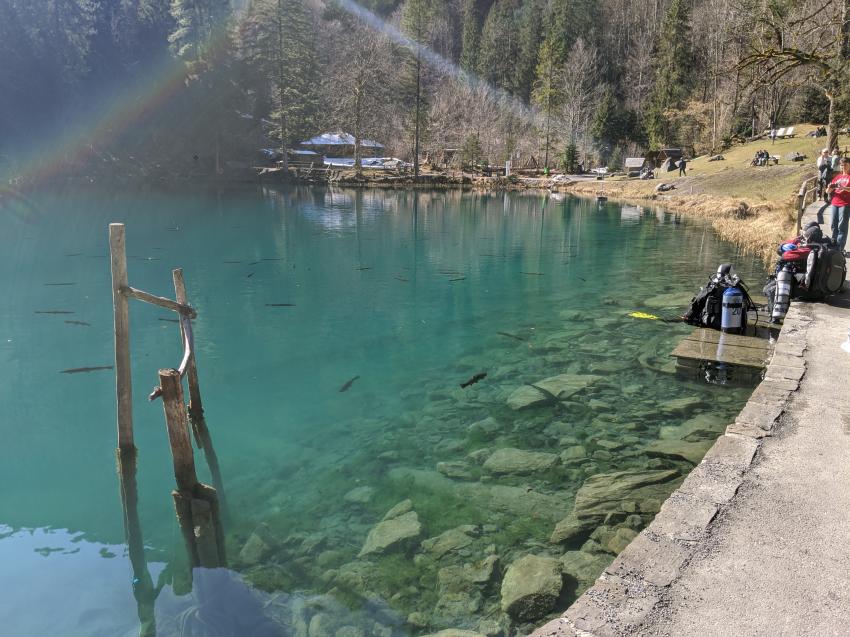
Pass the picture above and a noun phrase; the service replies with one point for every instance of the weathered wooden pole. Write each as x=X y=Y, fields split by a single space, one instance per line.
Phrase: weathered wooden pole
x=196 y=504
x=143 y=588
x=121 y=310
x=203 y=437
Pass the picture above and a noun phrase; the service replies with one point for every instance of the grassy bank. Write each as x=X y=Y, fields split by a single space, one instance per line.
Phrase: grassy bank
x=750 y=205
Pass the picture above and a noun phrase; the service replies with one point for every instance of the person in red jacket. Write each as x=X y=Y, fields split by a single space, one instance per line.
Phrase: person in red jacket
x=839 y=193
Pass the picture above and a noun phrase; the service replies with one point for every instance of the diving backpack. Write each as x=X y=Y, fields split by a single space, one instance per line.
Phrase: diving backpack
x=830 y=270
x=706 y=307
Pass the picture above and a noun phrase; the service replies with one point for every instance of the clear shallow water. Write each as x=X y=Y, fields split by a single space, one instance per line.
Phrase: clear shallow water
x=409 y=293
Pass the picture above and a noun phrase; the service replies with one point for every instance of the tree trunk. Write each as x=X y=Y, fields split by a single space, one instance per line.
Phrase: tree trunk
x=281 y=82
x=416 y=124
x=832 y=126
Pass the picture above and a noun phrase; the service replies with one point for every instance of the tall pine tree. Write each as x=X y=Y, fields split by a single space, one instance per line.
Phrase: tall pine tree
x=673 y=75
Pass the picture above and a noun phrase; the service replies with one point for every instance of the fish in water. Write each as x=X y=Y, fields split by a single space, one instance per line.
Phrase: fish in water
x=80 y=370
x=513 y=336
x=348 y=384
x=362 y=269
x=475 y=378
x=532 y=273
x=146 y=258
x=401 y=278
x=174 y=229
x=273 y=259
x=78 y=323
x=56 y=284
x=249 y=275
x=168 y=320
x=460 y=278
x=231 y=262
x=280 y=304
x=254 y=263
x=53 y=312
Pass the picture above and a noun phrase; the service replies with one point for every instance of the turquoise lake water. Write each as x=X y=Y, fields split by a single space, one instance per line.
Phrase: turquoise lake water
x=299 y=291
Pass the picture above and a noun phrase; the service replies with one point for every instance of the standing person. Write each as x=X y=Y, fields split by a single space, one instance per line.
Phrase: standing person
x=835 y=161
x=824 y=172
x=839 y=190
x=682 y=165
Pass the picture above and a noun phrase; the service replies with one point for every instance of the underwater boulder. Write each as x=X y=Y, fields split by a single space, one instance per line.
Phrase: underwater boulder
x=517 y=461
x=560 y=387
x=571 y=529
x=605 y=493
x=449 y=541
x=693 y=452
x=531 y=587
x=392 y=534
x=584 y=567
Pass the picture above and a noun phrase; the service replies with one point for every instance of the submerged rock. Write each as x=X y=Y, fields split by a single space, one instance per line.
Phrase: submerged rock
x=256 y=549
x=455 y=632
x=571 y=529
x=603 y=493
x=679 y=405
x=517 y=461
x=561 y=386
x=450 y=540
x=394 y=533
x=573 y=454
x=518 y=501
x=486 y=428
x=455 y=469
x=531 y=587
x=693 y=452
x=584 y=567
x=359 y=495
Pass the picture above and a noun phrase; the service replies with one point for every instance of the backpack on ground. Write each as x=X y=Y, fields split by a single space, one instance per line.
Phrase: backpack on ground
x=827 y=277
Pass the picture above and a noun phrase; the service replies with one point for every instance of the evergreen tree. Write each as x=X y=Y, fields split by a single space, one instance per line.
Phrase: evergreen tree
x=197 y=25
x=416 y=22
x=278 y=40
x=499 y=46
x=673 y=74
x=471 y=36
x=545 y=94
x=530 y=34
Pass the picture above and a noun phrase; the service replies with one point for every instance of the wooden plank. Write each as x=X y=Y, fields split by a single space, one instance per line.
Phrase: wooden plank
x=168 y=304
x=705 y=335
x=733 y=349
x=121 y=314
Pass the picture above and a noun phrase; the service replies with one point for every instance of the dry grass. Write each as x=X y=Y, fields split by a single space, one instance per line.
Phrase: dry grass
x=748 y=205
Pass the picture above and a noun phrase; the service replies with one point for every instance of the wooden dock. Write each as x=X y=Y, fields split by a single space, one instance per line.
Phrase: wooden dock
x=751 y=350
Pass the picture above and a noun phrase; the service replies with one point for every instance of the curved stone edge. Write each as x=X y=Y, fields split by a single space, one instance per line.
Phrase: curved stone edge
x=636 y=581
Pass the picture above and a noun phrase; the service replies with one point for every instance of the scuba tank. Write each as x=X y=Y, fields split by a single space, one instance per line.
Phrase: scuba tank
x=783 y=295
x=732 y=311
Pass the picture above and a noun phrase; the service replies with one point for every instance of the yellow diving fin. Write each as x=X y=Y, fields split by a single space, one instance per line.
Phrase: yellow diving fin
x=643 y=315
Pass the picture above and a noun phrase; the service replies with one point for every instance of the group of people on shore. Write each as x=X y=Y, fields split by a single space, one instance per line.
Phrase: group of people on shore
x=834 y=187
x=761 y=158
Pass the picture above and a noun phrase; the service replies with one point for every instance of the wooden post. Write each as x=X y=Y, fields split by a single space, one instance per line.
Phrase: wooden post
x=196 y=504
x=178 y=430
x=196 y=408
x=121 y=310
x=143 y=587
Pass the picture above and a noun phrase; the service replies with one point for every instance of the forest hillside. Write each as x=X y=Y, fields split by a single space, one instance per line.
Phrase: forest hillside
x=201 y=82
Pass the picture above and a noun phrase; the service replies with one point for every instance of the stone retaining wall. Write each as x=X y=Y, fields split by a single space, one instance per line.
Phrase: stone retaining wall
x=628 y=590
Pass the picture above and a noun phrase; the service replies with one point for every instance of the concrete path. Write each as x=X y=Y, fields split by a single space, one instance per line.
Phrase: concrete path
x=777 y=558
x=756 y=542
